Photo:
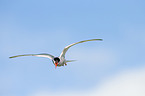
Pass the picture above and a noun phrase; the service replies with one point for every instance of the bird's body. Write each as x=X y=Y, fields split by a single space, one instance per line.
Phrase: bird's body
x=62 y=61
x=58 y=61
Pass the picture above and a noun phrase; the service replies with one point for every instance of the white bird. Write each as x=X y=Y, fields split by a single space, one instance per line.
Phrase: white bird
x=57 y=61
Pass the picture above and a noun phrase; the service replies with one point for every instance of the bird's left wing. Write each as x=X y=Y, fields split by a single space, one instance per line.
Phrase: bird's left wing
x=67 y=47
x=38 y=55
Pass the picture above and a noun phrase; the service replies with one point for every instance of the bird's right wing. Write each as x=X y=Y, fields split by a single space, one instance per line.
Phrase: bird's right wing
x=38 y=55
x=67 y=47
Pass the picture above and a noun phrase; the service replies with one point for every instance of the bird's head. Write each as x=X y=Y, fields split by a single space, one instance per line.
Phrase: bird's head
x=56 y=61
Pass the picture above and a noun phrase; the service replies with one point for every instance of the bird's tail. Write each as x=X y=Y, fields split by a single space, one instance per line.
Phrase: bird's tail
x=70 y=60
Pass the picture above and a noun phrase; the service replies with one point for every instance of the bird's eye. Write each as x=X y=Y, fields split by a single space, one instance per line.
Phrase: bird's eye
x=56 y=58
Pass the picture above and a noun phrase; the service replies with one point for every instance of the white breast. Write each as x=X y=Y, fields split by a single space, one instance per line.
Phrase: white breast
x=62 y=61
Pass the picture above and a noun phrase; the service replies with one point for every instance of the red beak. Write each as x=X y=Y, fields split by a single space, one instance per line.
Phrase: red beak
x=56 y=65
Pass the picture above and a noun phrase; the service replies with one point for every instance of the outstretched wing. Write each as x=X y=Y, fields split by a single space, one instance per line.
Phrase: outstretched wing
x=67 y=47
x=38 y=55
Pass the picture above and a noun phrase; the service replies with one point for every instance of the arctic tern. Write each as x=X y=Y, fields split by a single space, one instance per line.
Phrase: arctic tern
x=58 y=61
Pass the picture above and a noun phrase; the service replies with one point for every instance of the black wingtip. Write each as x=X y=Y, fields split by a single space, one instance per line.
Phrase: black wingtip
x=10 y=57
x=100 y=39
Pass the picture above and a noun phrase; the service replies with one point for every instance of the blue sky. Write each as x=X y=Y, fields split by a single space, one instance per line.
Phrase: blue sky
x=47 y=26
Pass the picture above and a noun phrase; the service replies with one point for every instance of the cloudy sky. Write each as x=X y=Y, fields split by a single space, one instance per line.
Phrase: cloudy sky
x=112 y=67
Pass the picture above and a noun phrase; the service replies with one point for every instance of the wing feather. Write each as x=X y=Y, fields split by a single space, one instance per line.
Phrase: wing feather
x=37 y=55
x=67 y=47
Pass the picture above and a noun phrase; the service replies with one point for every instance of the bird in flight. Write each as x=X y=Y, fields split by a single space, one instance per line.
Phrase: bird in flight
x=58 y=61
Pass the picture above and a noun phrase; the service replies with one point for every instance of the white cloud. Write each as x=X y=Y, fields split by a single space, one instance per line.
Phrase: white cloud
x=127 y=83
